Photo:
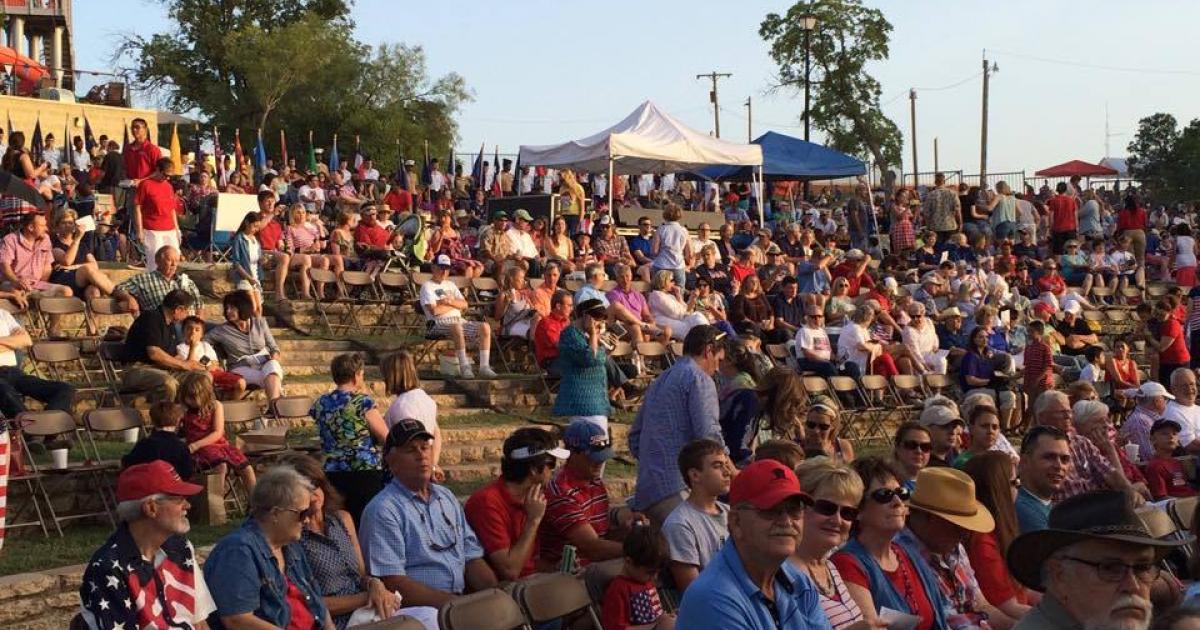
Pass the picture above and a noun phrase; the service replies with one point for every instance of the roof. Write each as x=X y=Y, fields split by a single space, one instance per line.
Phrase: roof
x=791 y=159
x=1075 y=167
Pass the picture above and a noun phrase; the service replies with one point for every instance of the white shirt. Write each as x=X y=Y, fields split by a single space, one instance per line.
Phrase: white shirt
x=8 y=326
x=312 y=195
x=548 y=183
x=697 y=246
x=672 y=238
x=645 y=184
x=600 y=185
x=371 y=174
x=851 y=338
x=52 y=156
x=527 y=183
x=522 y=243
x=1188 y=418
x=414 y=404
x=437 y=180
x=815 y=341
x=1185 y=251
x=1122 y=261
x=825 y=227
x=183 y=350
x=82 y=161
x=489 y=176
x=432 y=291
x=668 y=183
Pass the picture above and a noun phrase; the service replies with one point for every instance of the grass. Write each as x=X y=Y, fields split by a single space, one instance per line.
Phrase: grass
x=31 y=552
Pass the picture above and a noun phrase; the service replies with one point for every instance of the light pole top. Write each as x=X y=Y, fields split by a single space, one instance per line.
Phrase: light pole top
x=808 y=22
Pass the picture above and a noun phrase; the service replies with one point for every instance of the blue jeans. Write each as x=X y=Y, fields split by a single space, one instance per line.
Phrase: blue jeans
x=824 y=369
x=15 y=385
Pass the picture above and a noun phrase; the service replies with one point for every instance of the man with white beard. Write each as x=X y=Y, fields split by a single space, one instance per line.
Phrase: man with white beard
x=1095 y=565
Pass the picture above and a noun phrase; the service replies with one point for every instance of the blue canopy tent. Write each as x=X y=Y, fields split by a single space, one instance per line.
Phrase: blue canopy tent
x=788 y=159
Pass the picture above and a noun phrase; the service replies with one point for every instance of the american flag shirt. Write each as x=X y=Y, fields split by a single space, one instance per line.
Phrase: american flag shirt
x=628 y=602
x=123 y=591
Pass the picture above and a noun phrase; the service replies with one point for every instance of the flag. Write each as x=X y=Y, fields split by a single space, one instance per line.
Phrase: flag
x=222 y=176
x=497 y=191
x=283 y=148
x=176 y=151
x=451 y=169
x=312 y=154
x=357 y=160
x=427 y=168
x=402 y=176
x=477 y=173
x=89 y=139
x=37 y=144
x=10 y=127
x=125 y=136
x=260 y=157
x=238 y=159
x=68 y=144
x=333 y=156
x=198 y=152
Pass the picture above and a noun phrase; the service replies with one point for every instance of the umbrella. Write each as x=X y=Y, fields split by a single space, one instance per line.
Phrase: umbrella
x=17 y=187
x=1076 y=167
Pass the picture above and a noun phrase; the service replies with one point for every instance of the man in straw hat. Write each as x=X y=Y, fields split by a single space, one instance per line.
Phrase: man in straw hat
x=1095 y=564
x=944 y=512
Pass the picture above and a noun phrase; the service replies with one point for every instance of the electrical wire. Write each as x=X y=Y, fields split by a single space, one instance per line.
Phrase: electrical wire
x=1093 y=66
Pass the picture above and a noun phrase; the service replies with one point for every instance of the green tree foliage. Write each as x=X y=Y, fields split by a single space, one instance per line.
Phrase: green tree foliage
x=295 y=65
x=1166 y=159
x=845 y=97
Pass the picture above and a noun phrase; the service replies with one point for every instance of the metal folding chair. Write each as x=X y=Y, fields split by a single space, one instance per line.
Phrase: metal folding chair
x=52 y=425
x=63 y=361
x=491 y=609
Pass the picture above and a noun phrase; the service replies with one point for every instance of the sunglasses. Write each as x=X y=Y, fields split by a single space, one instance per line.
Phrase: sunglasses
x=913 y=445
x=301 y=515
x=829 y=508
x=884 y=496
x=817 y=426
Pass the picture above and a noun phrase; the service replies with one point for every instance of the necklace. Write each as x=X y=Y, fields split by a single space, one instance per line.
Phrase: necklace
x=825 y=587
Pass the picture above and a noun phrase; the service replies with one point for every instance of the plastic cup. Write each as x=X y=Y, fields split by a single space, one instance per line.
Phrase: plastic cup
x=58 y=458
x=1132 y=451
x=130 y=435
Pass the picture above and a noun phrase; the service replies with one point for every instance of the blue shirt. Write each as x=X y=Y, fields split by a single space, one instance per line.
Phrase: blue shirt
x=723 y=598
x=642 y=244
x=1033 y=513
x=810 y=278
x=400 y=531
x=589 y=292
x=680 y=406
x=243 y=577
x=974 y=365
x=583 y=390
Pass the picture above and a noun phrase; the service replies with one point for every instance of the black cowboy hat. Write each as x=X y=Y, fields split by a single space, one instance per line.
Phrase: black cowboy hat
x=1104 y=515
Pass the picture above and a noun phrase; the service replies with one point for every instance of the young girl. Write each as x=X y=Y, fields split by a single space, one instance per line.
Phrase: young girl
x=203 y=426
x=984 y=425
x=1185 y=256
x=246 y=257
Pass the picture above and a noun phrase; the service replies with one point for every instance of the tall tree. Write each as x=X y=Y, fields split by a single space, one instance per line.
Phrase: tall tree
x=1166 y=159
x=845 y=97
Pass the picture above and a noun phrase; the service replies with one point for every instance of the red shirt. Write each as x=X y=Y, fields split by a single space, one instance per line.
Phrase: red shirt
x=270 y=235
x=398 y=199
x=1052 y=284
x=990 y=570
x=1135 y=219
x=156 y=197
x=739 y=271
x=856 y=281
x=904 y=576
x=1177 y=352
x=1039 y=371
x=571 y=502
x=301 y=618
x=375 y=236
x=1165 y=478
x=1062 y=213
x=140 y=158
x=545 y=338
x=498 y=520
x=628 y=602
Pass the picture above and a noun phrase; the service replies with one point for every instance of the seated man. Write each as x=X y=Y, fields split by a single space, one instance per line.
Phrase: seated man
x=545 y=345
x=415 y=535
x=494 y=245
x=698 y=526
x=151 y=344
x=627 y=304
x=370 y=237
x=341 y=192
x=27 y=261
x=15 y=384
x=270 y=237
x=145 y=292
x=146 y=575
x=507 y=513
x=523 y=247
x=443 y=304
x=577 y=509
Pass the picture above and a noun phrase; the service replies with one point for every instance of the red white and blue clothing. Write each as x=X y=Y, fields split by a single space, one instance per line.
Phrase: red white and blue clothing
x=571 y=501
x=628 y=602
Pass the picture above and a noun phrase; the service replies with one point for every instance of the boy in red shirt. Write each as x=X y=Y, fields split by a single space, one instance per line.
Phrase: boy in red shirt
x=1038 y=362
x=1063 y=222
x=631 y=600
x=1164 y=474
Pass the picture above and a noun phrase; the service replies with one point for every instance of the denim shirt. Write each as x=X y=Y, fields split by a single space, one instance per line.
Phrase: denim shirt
x=243 y=578
x=239 y=255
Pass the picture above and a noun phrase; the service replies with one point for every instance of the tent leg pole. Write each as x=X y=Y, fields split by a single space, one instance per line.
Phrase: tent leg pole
x=611 y=209
x=762 y=219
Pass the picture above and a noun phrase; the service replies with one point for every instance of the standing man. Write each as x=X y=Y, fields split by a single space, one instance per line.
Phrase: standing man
x=437 y=179
x=858 y=217
x=942 y=210
x=750 y=584
x=155 y=223
x=51 y=154
x=141 y=156
x=680 y=406
x=1064 y=224
x=1045 y=462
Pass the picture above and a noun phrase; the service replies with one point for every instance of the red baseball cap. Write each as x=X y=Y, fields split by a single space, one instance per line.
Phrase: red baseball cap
x=765 y=484
x=1043 y=308
x=157 y=477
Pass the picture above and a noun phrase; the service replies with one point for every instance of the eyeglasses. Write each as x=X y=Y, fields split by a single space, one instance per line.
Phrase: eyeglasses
x=301 y=515
x=884 y=496
x=829 y=508
x=913 y=445
x=422 y=508
x=793 y=509
x=1146 y=573
x=817 y=426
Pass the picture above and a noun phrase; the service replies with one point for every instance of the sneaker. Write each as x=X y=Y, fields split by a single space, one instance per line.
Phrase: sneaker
x=465 y=371
x=487 y=372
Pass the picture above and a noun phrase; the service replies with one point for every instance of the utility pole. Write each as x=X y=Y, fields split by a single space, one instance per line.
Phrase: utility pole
x=912 y=99
x=712 y=97
x=749 y=121
x=935 y=156
x=983 y=128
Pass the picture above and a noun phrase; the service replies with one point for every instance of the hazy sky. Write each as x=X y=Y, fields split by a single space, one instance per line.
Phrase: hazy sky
x=543 y=71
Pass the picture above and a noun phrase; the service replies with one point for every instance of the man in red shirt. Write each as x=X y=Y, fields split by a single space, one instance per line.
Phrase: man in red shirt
x=141 y=156
x=370 y=235
x=854 y=270
x=275 y=256
x=1063 y=222
x=550 y=327
x=154 y=220
x=506 y=513
x=398 y=199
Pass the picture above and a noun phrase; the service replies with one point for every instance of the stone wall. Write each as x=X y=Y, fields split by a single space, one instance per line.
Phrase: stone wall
x=25 y=112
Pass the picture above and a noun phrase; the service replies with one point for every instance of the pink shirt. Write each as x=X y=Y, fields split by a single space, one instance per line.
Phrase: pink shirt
x=632 y=299
x=28 y=262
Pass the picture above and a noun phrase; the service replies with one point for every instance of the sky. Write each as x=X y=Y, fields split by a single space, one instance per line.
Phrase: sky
x=545 y=71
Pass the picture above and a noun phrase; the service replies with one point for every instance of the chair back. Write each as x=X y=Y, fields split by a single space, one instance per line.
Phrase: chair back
x=46 y=424
x=321 y=275
x=112 y=419
x=394 y=281
x=238 y=412
x=61 y=305
x=357 y=279
x=107 y=306
x=55 y=351
x=403 y=622
x=553 y=596
x=288 y=407
x=490 y=609
x=1183 y=512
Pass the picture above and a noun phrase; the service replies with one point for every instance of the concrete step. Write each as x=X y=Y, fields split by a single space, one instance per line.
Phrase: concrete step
x=473 y=452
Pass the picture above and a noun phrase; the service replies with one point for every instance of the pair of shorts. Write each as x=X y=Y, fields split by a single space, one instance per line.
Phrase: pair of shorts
x=66 y=278
x=224 y=381
x=442 y=327
x=258 y=375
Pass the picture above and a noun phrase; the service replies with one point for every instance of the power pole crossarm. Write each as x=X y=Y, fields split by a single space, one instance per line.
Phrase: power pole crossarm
x=713 y=97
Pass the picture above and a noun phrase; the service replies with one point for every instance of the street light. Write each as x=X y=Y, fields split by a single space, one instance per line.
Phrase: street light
x=808 y=23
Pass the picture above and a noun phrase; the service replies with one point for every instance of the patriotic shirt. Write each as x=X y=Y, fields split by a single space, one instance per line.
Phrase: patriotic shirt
x=628 y=602
x=123 y=591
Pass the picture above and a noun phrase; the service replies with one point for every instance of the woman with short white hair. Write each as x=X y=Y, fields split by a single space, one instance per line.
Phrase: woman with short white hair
x=920 y=337
x=668 y=306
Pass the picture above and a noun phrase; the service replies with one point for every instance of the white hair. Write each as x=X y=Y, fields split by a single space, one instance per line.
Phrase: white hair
x=131 y=510
x=1044 y=400
x=279 y=487
x=1086 y=410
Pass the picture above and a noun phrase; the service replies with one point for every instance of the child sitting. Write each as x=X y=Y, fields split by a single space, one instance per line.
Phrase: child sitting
x=1094 y=371
x=204 y=428
x=164 y=442
x=631 y=599
x=984 y=427
x=195 y=348
x=1164 y=473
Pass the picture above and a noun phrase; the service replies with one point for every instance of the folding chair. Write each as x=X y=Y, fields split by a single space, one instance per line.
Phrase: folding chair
x=885 y=400
x=107 y=421
x=778 y=353
x=1103 y=295
x=52 y=425
x=98 y=306
x=484 y=292
x=63 y=307
x=241 y=415
x=572 y=285
x=398 y=296
x=1131 y=296
x=654 y=356
x=936 y=384
x=857 y=411
x=322 y=303
x=31 y=479
x=1183 y=512
x=362 y=295
x=490 y=609
x=292 y=411
x=1119 y=321
x=641 y=286
x=556 y=596
x=908 y=389
x=63 y=361
x=815 y=386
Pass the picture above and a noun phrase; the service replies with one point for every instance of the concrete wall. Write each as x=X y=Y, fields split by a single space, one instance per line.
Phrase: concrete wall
x=104 y=120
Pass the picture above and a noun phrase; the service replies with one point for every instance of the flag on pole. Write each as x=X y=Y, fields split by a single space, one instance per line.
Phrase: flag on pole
x=198 y=151
x=451 y=167
x=260 y=157
x=333 y=156
x=427 y=168
x=283 y=148
x=37 y=144
x=68 y=145
x=477 y=173
x=176 y=151
x=238 y=160
x=357 y=161
x=312 y=154
x=402 y=176
x=10 y=127
x=89 y=139
x=497 y=191
x=222 y=176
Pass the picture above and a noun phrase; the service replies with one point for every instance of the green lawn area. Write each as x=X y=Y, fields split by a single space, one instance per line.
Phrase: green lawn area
x=32 y=552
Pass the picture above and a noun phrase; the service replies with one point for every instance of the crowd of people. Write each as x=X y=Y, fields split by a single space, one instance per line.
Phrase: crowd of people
x=1014 y=500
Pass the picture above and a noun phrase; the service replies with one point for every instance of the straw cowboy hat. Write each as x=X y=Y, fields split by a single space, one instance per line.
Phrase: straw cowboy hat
x=1104 y=515
x=950 y=494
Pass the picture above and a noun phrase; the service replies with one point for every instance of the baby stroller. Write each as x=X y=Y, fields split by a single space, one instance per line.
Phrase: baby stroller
x=412 y=251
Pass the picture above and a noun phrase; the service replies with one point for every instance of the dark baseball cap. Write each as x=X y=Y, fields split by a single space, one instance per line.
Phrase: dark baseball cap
x=404 y=432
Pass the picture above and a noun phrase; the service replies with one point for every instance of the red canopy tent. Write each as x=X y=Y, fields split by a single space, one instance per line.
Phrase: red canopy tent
x=1076 y=167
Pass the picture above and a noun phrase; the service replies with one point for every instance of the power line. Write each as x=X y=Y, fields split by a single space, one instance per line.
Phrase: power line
x=1093 y=66
x=951 y=86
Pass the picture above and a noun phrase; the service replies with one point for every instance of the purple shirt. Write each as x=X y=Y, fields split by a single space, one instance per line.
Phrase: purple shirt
x=632 y=299
x=27 y=262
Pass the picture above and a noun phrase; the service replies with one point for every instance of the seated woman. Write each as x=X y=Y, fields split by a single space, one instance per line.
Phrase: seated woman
x=258 y=575
x=751 y=305
x=341 y=240
x=445 y=239
x=74 y=264
x=713 y=269
x=878 y=571
x=996 y=485
x=246 y=342
x=911 y=450
x=821 y=427
x=514 y=306
x=668 y=307
x=306 y=237
x=246 y=255
x=558 y=246
x=702 y=299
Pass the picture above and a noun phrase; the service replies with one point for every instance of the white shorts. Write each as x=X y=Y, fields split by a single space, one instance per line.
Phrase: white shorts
x=154 y=240
x=258 y=375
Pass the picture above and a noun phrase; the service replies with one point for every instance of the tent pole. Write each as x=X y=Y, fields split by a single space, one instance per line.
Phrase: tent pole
x=612 y=211
x=762 y=219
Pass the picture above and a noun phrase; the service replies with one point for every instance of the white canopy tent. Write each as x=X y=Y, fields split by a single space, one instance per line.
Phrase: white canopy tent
x=648 y=140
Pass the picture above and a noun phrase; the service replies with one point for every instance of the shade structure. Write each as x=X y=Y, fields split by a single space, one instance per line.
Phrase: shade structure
x=647 y=141
x=790 y=159
x=1076 y=167
x=1120 y=165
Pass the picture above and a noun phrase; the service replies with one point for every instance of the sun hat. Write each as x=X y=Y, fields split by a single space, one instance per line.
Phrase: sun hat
x=950 y=312
x=1106 y=515
x=950 y=494
x=765 y=484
